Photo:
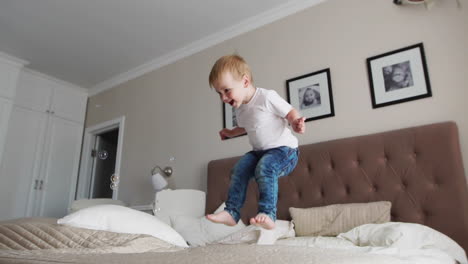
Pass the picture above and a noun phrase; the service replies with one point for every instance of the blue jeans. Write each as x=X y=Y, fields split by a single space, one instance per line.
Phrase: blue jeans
x=266 y=166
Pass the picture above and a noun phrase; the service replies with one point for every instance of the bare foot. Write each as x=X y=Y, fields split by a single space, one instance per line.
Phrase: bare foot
x=222 y=218
x=262 y=220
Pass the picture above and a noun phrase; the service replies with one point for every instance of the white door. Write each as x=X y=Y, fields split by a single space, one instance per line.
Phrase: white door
x=60 y=166
x=34 y=92
x=5 y=111
x=69 y=104
x=8 y=77
x=19 y=171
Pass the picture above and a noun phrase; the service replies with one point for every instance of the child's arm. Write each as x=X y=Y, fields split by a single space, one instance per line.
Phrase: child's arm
x=229 y=133
x=296 y=121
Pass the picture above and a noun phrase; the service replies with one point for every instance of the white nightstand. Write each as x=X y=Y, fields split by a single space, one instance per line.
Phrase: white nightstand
x=148 y=208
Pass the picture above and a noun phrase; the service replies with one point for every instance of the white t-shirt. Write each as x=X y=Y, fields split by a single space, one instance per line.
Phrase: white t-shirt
x=264 y=120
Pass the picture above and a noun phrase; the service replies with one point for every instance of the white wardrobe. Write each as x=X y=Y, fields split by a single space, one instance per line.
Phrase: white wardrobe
x=10 y=68
x=39 y=168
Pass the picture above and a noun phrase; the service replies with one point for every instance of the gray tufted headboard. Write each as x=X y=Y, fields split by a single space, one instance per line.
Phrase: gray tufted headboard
x=418 y=169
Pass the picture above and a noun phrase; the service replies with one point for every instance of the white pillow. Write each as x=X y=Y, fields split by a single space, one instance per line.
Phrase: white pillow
x=261 y=236
x=84 y=203
x=404 y=236
x=199 y=231
x=120 y=219
x=283 y=229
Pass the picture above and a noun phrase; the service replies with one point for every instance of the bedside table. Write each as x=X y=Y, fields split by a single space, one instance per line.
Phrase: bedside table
x=148 y=208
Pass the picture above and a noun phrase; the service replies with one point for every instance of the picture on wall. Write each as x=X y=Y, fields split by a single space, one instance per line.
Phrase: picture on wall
x=311 y=95
x=398 y=76
x=229 y=117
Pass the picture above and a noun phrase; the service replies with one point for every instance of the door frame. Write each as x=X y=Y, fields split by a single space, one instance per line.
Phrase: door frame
x=86 y=166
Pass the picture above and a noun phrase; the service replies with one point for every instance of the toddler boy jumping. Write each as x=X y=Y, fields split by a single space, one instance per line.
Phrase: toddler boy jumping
x=264 y=116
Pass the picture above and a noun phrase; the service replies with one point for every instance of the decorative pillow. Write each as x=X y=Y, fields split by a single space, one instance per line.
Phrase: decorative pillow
x=404 y=236
x=120 y=219
x=199 y=231
x=334 y=219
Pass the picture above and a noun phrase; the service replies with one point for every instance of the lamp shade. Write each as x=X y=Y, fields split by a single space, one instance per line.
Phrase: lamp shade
x=158 y=181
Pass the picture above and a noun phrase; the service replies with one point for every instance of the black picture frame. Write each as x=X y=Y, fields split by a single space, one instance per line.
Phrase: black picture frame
x=398 y=76
x=229 y=118
x=311 y=94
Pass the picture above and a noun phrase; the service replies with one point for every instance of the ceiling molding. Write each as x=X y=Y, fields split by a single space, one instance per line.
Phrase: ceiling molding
x=204 y=43
x=12 y=60
x=62 y=82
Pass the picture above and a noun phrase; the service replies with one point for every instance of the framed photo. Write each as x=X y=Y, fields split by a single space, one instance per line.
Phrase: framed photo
x=398 y=76
x=229 y=118
x=311 y=95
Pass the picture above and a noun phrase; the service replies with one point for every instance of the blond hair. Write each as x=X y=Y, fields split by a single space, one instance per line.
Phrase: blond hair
x=235 y=64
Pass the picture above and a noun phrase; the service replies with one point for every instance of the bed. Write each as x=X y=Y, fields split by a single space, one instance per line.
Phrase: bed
x=418 y=169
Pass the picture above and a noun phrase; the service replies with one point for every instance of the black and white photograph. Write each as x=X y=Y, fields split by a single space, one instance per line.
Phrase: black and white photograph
x=311 y=94
x=398 y=76
x=229 y=117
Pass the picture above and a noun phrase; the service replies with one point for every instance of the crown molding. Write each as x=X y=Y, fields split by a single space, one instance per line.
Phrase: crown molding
x=59 y=81
x=209 y=41
x=7 y=58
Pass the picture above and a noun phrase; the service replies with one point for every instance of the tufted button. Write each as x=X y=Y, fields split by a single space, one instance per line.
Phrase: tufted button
x=347 y=190
x=384 y=159
x=421 y=216
x=404 y=184
x=319 y=195
x=322 y=193
x=426 y=213
x=373 y=188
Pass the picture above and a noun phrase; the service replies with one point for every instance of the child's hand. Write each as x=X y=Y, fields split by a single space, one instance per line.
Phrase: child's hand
x=225 y=133
x=298 y=125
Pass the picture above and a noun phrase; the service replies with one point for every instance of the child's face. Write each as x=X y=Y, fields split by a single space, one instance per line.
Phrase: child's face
x=398 y=75
x=231 y=90
x=309 y=96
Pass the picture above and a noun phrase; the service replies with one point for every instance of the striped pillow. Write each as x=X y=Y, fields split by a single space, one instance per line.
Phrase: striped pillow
x=334 y=219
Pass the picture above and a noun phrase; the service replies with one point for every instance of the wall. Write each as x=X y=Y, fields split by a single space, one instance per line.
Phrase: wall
x=173 y=112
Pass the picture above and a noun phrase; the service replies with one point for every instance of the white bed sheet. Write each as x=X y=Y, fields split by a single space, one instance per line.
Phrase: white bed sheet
x=404 y=242
x=416 y=256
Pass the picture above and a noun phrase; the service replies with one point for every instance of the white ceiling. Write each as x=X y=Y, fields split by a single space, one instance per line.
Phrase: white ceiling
x=100 y=43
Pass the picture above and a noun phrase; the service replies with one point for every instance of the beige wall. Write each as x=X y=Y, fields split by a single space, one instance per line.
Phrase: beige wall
x=172 y=111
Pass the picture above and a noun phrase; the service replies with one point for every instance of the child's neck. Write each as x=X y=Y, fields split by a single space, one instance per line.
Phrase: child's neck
x=249 y=94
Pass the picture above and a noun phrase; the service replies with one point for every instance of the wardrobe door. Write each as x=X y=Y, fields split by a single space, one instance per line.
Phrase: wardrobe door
x=20 y=167
x=5 y=111
x=69 y=104
x=34 y=92
x=60 y=168
x=8 y=77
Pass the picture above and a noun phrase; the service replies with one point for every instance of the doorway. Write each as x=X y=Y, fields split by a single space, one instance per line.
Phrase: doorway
x=103 y=159
x=100 y=160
